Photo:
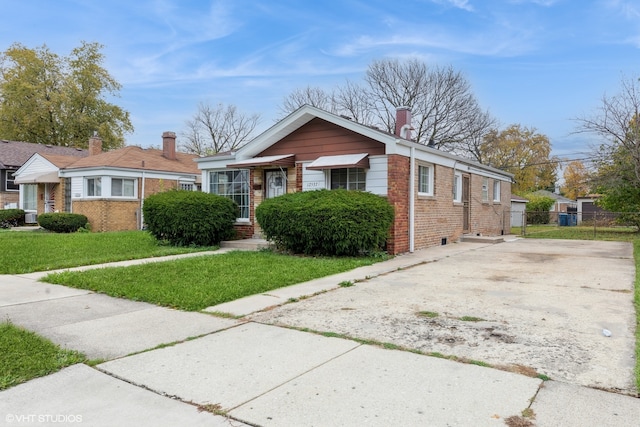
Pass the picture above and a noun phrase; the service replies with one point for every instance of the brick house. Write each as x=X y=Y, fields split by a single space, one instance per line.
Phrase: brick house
x=14 y=154
x=438 y=197
x=109 y=188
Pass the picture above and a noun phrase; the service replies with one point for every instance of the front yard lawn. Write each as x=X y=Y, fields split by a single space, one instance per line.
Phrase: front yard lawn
x=25 y=355
x=200 y=282
x=29 y=251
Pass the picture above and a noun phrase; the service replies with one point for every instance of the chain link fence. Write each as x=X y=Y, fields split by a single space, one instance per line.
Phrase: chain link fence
x=597 y=221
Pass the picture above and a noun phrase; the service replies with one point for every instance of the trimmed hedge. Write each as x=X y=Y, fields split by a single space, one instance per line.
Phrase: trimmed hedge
x=11 y=218
x=62 y=222
x=186 y=218
x=326 y=222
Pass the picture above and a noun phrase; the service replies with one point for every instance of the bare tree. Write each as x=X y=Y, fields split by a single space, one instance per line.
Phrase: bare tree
x=217 y=129
x=445 y=111
x=618 y=123
x=310 y=95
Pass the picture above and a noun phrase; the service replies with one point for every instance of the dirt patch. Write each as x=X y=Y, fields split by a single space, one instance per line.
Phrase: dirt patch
x=529 y=318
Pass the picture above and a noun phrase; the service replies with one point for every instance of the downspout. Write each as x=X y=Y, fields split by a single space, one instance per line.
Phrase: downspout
x=412 y=202
x=142 y=203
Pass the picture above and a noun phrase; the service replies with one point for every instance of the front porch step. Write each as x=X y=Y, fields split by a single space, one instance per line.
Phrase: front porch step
x=481 y=239
x=245 y=244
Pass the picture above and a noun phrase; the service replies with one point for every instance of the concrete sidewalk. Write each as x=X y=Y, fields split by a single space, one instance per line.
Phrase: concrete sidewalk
x=244 y=373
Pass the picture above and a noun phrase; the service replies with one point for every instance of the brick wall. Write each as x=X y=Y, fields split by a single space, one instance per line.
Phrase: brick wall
x=490 y=218
x=9 y=197
x=154 y=185
x=398 y=196
x=438 y=218
x=108 y=214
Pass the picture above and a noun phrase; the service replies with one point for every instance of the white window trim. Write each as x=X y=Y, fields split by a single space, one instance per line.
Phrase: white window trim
x=86 y=187
x=124 y=178
x=9 y=177
x=457 y=187
x=496 y=191
x=23 y=194
x=485 y=190
x=430 y=183
x=239 y=220
x=349 y=182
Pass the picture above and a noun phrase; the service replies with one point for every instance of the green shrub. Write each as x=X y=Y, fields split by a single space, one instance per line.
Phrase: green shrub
x=62 y=222
x=538 y=208
x=190 y=218
x=11 y=218
x=326 y=222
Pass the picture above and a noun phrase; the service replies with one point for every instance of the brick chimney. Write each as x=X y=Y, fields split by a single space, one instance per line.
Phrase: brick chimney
x=169 y=145
x=403 y=118
x=95 y=144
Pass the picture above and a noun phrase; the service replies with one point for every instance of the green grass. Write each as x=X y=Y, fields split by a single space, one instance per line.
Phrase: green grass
x=472 y=319
x=197 y=283
x=624 y=234
x=25 y=355
x=429 y=314
x=29 y=251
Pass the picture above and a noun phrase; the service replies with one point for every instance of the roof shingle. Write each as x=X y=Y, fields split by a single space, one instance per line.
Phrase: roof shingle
x=14 y=154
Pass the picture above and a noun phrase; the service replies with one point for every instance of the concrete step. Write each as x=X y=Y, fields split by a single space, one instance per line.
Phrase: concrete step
x=245 y=244
x=481 y=239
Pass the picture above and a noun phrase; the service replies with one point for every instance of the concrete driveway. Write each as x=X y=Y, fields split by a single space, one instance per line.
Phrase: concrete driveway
x=524 y=305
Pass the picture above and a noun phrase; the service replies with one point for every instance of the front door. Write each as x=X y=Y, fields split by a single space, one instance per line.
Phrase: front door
x=466 y=208
x=276 y=183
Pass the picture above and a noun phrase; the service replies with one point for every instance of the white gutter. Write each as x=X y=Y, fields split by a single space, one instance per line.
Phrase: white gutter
x=141 y=204
x=412 y=200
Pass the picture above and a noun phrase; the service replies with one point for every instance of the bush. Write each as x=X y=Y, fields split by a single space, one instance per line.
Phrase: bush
x=326 y=222
x=11 y=218
x=62 y=222
x=185 y=218
x=538 y=208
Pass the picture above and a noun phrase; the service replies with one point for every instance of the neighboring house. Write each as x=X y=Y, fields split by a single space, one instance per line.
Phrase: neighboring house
x=14 y=154
x=109 y=188
x=518 y=211
x=561 y=205
x=437 y=196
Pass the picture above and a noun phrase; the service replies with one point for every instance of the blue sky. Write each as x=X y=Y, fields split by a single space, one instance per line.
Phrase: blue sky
x=539 y=63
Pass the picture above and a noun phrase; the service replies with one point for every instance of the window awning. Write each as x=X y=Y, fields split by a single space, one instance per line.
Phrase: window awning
x=343 y=161
x=38 y=178
x=286 y=160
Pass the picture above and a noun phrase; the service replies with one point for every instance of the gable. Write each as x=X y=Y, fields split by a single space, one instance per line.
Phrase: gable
x=322 y=138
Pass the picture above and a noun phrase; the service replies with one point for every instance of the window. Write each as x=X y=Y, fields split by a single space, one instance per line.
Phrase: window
x=30 y=197
x=425 y=180
x=10 y=181
x=496 y=191
x=94 y=187
x=121 y=187
x=234 y=185
x=351 y=179
x=485 y=189
x=457 y=187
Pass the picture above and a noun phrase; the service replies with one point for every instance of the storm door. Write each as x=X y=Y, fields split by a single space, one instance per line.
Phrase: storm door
x=466 y=208
x=275 y=183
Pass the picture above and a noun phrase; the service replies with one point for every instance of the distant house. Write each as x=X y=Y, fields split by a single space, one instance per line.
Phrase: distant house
x=108 y=187
x=437 y=197
x=14 y=154
x=561 y=205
